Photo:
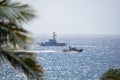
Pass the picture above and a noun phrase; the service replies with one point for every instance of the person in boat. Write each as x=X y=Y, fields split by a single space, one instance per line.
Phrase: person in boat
x=72 y=48
x=69 y=48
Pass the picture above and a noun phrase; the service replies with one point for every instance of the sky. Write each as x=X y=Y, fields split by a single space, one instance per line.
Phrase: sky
x=75 y=16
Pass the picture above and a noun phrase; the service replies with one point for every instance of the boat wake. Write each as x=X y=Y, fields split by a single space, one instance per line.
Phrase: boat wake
x=48 y=51
x=36 y=51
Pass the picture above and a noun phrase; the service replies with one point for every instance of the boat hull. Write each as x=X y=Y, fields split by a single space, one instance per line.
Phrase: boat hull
x=78 y=50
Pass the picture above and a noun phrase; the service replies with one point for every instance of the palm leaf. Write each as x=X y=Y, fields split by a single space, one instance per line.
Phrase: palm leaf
x=14 y=34
x=11 y=34
x=16 y=11
x=111 y=74
x=24 y=61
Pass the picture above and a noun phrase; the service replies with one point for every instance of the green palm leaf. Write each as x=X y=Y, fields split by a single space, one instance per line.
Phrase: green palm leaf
x=16 y=11
x=111 y=74
x=12 y=15
x=25 y=61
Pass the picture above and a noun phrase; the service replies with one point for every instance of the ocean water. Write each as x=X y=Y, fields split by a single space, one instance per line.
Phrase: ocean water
x=100 y=53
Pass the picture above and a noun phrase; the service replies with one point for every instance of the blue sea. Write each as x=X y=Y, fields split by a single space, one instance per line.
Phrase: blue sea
x=101 y=52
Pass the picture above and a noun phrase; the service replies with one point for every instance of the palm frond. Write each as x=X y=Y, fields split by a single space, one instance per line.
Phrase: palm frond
x=111 y=74
x=26 y=63
x=12 y=34
x=16 y=11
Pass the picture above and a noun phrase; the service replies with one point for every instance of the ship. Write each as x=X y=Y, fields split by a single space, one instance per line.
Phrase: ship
x=52 y=42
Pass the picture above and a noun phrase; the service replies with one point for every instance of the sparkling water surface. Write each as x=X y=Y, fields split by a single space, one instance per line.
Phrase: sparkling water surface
x=100 y=53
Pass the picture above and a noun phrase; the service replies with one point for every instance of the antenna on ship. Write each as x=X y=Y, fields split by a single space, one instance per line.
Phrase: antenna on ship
x=54 y=36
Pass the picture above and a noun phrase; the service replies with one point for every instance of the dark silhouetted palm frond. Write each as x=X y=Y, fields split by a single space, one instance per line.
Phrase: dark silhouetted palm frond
x=24 y=61
x=13 y=36
x=111 y=74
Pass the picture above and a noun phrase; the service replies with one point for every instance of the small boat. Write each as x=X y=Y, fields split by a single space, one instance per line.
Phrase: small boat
x=52 y=42
x=72 y=49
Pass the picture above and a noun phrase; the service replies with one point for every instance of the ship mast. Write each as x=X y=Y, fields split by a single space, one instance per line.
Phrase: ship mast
x=54 y=36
